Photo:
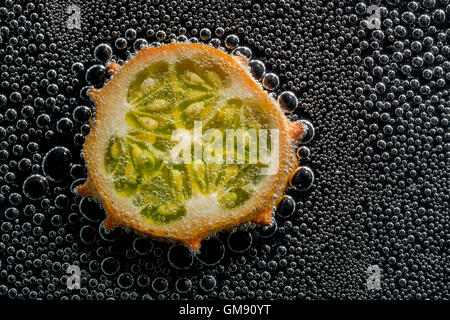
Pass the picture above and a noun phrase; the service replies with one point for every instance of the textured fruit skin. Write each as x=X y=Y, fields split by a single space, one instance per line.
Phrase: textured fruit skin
x=112 y=68
x=258 y=209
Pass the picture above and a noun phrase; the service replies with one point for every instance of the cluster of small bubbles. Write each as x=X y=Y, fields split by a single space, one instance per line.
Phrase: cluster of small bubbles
x=378 y=98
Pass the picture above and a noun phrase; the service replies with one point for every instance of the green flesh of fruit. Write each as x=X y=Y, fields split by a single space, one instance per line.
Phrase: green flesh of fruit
x=162 y=99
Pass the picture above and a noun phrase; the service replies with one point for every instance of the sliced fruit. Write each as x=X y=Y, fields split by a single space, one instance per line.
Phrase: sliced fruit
x=201 y=91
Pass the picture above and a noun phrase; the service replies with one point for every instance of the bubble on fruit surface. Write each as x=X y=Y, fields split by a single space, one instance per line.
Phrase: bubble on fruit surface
x=212 y=251
x=91 y=210
x=302 y=178
x=308 y=131
x=180 y=257
x=239 y=241
x=160 y=284
x=257 y=69
x=267 y=231
x=270 y=81
x=286 y=207
x=288 y=101
x=243 y=51
x=110 y=235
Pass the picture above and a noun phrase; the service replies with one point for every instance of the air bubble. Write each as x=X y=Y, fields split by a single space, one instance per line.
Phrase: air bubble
x=220 y=31
x=125 y=280
x=96 y=75
x=142 y=245
x=439 y=16
x=205 y=34
x=88 y=234
x=270 y=81
x=239 y=241
x=160 y=284
x=64 y=125
x=231 y=41
x=109 y=235
x=302 y=179
x=91 y=210
x=103 y=53
x=303 y=153
x=180 y=256
x=243 y=51
x=215 y=42
x=139 y=44
x=35 y=187
x=143 y=281
x=81 y=114
x=56 y=163
x=212 y=251
x=160 y=35
x=183 y=285
x=77 y=68
x=257 y=69
x=130 y=34
x=208 y=283
x=120 y=43
x=308 y=131
x=267 y=231
x=288 y=101
x=286 y=207
x=110 y=266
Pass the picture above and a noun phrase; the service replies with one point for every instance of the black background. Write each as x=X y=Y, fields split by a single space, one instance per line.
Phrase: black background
x=372 y=203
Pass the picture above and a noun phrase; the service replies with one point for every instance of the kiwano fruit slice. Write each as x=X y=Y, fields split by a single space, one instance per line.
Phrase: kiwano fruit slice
x=195 y=99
